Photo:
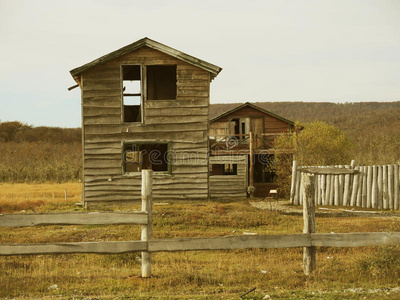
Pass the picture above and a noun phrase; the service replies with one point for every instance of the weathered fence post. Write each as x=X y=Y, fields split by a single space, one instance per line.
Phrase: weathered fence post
x=293 y=187
x=309 y=253
x=147 y=199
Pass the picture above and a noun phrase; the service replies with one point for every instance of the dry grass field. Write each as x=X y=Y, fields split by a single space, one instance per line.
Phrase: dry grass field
x=350 y=273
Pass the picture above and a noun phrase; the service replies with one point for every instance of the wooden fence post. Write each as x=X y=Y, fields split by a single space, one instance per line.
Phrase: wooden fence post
x=293 y=187
x=147 y=199
x=309 y=253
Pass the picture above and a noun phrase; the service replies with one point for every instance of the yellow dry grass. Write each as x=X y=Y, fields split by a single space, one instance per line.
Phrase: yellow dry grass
x=23 y=196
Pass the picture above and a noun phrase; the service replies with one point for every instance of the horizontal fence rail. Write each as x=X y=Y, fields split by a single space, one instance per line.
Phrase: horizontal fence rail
x=114 y=218
x=214 y=243
x=375 y=187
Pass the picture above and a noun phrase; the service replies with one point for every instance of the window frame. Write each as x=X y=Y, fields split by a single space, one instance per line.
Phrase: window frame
x=142 y=94
x=129 y=142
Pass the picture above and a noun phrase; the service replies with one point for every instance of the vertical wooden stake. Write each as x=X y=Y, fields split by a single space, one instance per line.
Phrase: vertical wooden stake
x=374 y=189
x=53 y=196
x=385 y=187
x=396 y=192
x=147 y=197
x=354 y=190
x=369 y=186
x=309 y=253
x=380 y=189
x=390 y=186
x=65 y=195
x=293 y=187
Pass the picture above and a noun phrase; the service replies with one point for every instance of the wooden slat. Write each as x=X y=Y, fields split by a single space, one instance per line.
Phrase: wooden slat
x=63 y=248
x=354 y=239
x=230 y=242
x=174 y=111
x=201 y=102
x=23 y=220
x=328 y=171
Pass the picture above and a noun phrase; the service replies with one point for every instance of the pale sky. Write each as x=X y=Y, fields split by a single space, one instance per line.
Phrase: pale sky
x=270 y=50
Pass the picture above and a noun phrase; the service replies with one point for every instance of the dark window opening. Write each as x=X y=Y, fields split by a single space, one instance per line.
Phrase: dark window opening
x=132 y=94
x=264 y=168
x=224 y=169
x=161 y=82
x=138 y=157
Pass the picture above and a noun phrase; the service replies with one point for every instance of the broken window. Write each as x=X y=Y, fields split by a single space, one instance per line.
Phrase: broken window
x=132 y=93
x=224 y=169
x=161 y=82
x=141 y=156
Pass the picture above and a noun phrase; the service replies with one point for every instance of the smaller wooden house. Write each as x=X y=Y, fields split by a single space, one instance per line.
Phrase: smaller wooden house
x=242 y=150
x=145 y=106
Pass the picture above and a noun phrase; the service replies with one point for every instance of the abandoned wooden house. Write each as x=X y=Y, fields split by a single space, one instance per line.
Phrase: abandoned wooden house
x=144 y=106
x=234 y=135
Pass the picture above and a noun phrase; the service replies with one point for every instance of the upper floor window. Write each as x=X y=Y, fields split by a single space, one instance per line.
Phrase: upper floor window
x=132 y=93
x=153 y=82
x=161 y=82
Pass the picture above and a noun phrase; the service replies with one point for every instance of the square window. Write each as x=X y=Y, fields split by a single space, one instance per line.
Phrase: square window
x=142 y=156
x=161 y=82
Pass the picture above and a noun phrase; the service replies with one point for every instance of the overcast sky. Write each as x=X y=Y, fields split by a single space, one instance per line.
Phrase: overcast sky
x=270 y=50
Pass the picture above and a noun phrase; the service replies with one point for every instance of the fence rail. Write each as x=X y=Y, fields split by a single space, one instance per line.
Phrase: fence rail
x=373 y=187
x=308 y=240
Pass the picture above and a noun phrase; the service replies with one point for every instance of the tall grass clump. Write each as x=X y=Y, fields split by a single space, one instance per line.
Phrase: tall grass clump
x=383 y=264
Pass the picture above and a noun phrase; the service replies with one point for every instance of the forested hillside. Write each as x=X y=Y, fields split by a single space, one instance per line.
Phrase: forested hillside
x=374 y=127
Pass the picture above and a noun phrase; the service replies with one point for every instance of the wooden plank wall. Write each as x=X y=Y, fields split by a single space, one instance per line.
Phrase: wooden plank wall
x=271 y=124
x=229 y=185
x=183 y=121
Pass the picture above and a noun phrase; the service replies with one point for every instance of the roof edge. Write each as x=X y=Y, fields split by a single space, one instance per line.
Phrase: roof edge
x=255 y=107
x=213 y=69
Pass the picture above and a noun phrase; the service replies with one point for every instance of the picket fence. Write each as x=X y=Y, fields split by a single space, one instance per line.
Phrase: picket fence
x=376 y=187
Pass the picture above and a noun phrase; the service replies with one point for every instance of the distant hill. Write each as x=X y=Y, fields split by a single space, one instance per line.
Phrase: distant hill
x=350 y=117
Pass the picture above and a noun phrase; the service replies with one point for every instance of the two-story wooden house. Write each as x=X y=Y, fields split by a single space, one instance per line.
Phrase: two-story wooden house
x=242 y=150
x=145 y=105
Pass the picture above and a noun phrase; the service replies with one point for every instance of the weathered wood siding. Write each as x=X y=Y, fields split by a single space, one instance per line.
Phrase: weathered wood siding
x=229 y=185
x=271 y=123
x=183 y=122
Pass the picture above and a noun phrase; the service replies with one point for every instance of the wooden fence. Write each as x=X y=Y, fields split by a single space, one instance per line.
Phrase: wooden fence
x=373 y=187
x=309 y=239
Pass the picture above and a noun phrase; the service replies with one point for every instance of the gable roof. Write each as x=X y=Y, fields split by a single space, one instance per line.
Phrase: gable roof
x=146 y=42
x=252 y=106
